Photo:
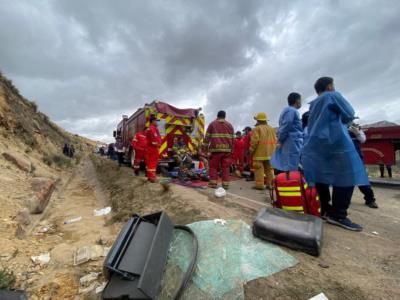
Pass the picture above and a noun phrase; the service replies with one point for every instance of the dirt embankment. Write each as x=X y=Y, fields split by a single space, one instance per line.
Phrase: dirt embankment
x=134 y=195
x=32 y=132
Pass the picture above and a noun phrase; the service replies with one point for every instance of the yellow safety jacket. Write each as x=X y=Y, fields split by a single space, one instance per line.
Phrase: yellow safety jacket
x=263 y=142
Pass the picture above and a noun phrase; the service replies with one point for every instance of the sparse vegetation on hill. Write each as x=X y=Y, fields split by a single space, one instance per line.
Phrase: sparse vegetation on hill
x=22 y=121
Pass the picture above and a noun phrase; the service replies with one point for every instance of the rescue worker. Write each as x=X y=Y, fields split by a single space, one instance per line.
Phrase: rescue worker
x=382 y=170
x=262 y=145
x=139 y=144
x=247 y=155
x=219 y=143
x=153 y=149
x=329 y=157
x=358 y=137
x=238 y=154
x=181 y=152
x=290 y=137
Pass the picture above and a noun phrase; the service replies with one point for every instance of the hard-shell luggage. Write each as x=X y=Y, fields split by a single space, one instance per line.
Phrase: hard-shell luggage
x=293 y=193
x=297 y=231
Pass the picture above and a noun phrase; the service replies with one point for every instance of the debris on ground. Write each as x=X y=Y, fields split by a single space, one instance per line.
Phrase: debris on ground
x=220 y=192
x=86 y=253
x=320 y=296
x=102 y=212
x=229 y=256
x=220 y=221
x=41 y=259
x=89 y=278
x=74 y=220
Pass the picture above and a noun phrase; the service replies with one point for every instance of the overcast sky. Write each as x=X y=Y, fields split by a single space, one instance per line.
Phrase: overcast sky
x=88 y=62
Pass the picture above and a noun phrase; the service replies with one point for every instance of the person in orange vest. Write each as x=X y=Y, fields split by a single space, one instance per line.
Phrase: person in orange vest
x=238 y=153
x=153 y=149
x=139 y=145
x=219 y=143
x=262 y=145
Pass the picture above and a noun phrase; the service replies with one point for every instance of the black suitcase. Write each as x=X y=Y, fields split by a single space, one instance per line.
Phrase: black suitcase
x=297 y=231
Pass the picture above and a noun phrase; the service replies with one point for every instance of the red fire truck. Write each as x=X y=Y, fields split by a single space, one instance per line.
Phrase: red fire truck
x=381 y=145
x=174 y=122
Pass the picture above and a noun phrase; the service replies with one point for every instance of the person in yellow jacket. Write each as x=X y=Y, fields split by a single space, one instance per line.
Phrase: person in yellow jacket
x=262 y=145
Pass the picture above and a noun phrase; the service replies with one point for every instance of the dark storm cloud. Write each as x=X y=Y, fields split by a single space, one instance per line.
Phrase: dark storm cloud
x=86 y=63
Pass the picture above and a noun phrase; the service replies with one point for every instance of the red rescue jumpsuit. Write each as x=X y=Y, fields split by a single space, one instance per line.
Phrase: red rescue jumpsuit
x=139 y=144
x=238 y=153
x=152 y=151
x=219 y=141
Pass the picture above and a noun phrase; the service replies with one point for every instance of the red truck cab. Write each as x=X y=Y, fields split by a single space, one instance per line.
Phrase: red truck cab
x=381 y=145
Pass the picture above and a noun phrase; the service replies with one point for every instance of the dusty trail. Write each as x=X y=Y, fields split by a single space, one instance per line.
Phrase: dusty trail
x=76 y=196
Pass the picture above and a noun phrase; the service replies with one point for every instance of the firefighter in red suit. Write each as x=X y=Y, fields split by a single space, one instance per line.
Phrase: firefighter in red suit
x=139 y=144
x=219 y=143
x=153 y=149
x=238 y=153
x=248 y=157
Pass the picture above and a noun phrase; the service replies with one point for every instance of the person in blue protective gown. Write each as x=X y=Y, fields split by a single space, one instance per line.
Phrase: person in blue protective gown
x=290 y=137
x=329 y=157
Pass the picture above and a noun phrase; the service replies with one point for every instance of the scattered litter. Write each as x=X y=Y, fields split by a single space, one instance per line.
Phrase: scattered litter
x=86 y=290
x=347 y=248
x=220 y=221
x=320 y=296
x=87 y=253
x=375 y=232
x=42 y=259
x=89 y=278
x=220 y=192
x=100 y=288
x=74 y=220
x=102 y=212
x=81 y=255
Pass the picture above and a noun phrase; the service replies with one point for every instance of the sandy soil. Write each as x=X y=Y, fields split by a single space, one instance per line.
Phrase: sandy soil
x=76 y=195
x=352 y=265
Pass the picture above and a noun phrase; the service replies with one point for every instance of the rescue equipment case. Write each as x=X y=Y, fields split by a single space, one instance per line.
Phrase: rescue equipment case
x=293 y=193
x=135 y=264
x=287 y=228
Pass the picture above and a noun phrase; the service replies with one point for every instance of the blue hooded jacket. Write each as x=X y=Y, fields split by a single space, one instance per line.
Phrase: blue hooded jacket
x=290 y=137
x=329 y=155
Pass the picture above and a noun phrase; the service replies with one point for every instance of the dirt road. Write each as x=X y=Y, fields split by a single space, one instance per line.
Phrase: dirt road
x=77 y=195
x=352 y=265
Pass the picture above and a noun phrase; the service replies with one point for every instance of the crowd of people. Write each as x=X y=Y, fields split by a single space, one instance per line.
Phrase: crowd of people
x=323 y=143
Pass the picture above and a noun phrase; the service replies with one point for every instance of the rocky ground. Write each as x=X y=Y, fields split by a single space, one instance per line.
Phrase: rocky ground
x=352 y=265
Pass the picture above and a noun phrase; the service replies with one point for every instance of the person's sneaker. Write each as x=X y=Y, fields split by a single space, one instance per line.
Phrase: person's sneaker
x=344 y=223
x=371 y=204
